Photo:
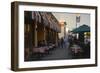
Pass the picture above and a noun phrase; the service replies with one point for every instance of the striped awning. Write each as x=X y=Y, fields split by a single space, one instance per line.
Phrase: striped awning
x=36 y=16
x=45 y=19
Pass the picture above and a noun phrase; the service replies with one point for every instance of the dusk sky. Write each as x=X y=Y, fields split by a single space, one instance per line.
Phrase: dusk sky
x=70 y=19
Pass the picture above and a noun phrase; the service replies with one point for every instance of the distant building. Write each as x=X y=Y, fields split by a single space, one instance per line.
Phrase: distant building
x=63 y=32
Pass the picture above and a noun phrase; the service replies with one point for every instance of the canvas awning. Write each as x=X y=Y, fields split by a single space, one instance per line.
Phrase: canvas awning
x=43 y=18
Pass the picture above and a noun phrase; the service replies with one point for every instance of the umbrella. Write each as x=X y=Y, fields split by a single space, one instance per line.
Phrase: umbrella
x=83 y=28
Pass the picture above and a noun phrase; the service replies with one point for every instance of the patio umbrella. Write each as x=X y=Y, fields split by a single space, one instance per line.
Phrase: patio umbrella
x=83 y=28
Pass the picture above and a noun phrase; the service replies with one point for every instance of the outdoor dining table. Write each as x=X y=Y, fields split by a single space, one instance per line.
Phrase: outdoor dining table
x=40 y=49
x=76 y=49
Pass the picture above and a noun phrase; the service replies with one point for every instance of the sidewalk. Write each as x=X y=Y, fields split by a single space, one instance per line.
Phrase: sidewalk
x=58 y=54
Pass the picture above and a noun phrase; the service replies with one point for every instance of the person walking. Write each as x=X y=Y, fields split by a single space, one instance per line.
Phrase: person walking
x=62 y=43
